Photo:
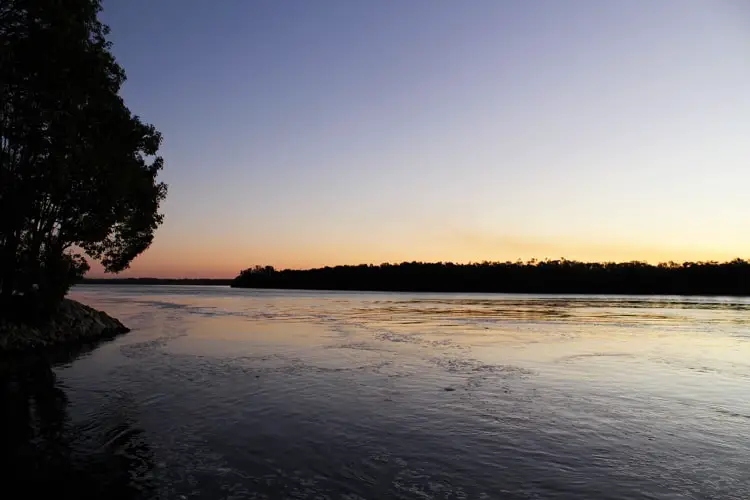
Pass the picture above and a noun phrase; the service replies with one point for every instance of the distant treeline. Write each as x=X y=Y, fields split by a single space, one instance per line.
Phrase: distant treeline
x=156 y=281
x=546 y=276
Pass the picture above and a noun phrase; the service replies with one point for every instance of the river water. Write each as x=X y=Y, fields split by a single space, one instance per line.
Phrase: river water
x=220 y=393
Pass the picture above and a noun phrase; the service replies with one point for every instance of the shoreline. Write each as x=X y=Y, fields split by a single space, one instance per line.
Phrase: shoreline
x=555 y=293
x=74 y=324
x=537 y=277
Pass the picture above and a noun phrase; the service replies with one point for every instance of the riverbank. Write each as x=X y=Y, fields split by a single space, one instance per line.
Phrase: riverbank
x=535 y=277
x=73 y=323
x=158 y=281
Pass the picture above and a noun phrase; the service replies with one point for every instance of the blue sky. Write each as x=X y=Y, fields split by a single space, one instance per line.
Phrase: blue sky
x=315 y=133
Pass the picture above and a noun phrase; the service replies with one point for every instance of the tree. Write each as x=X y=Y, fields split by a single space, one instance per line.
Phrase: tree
x=78 y=171
x=545 y=276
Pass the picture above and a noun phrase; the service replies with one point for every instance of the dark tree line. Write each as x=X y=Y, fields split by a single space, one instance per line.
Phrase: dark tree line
x=547 y=276
x=158 y=281
x=77 y=169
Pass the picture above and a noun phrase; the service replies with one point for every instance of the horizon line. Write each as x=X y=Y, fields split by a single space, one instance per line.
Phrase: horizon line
x=458 y=263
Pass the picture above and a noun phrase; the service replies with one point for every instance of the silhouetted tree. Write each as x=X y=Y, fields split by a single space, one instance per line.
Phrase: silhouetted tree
x=77 y=169
x=545 y=276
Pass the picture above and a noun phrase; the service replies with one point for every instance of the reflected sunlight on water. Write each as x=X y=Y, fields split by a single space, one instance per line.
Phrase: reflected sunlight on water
x=221 y=393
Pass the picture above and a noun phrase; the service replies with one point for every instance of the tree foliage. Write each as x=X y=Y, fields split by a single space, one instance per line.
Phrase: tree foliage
x=78 y=171
x=546 y=276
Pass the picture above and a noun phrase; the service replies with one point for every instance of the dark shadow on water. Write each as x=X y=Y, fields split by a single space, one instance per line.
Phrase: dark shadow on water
x=44 y=454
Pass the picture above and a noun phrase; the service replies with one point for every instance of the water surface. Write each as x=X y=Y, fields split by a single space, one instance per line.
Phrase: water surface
x=221 y=393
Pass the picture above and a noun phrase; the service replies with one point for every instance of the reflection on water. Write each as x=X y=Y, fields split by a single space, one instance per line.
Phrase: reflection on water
x=44 y=453
x=220 y=393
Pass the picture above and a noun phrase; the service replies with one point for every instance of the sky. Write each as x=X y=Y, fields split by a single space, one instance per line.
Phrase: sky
x=301 y=134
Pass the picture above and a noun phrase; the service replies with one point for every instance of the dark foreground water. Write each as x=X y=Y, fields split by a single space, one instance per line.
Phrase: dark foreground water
x=221 y=393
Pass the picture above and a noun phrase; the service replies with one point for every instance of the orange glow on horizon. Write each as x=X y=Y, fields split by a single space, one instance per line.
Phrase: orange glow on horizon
x=161 y=261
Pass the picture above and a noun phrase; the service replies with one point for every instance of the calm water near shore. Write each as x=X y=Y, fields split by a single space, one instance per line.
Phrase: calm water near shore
x=223 y=393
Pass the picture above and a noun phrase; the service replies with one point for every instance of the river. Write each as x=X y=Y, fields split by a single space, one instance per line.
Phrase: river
x=220 y=393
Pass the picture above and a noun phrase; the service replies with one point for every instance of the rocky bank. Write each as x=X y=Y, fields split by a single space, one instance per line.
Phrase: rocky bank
x=74 y=323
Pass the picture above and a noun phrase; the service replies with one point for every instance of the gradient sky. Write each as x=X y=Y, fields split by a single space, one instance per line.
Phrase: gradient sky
x=310 y=133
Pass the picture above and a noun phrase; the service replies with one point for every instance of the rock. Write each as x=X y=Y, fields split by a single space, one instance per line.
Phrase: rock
x=73 y=323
